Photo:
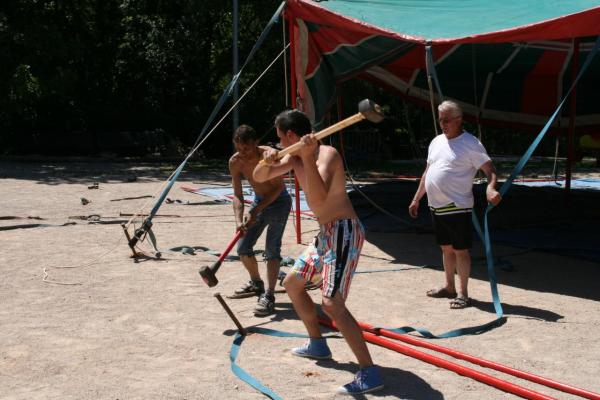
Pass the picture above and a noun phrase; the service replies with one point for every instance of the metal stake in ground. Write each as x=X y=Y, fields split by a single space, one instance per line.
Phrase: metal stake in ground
x=241 y=329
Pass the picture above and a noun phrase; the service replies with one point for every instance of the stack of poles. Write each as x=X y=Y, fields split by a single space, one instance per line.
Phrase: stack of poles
x=378 y=336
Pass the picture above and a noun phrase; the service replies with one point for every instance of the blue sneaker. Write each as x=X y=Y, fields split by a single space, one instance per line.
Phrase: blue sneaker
x=313 y=348
x=366 y=380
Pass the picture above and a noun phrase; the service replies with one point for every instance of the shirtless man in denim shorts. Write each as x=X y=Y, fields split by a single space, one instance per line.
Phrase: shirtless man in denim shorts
x=270 y=209
x=332 y=259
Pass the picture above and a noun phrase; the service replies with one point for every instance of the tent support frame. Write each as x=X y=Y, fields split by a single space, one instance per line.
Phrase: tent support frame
x=572 y=115
x=293 y=92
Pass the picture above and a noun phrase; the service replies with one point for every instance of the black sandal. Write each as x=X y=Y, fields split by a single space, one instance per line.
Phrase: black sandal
x=441 y=293
x=460 y=303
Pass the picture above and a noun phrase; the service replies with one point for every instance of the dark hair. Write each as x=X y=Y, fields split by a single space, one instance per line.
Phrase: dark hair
x=244 y=134
x=295 y=121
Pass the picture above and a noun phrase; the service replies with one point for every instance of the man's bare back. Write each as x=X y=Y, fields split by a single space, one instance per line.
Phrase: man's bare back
x=336 y=205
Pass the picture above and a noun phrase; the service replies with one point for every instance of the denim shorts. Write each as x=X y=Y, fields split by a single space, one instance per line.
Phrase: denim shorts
x=274 y=218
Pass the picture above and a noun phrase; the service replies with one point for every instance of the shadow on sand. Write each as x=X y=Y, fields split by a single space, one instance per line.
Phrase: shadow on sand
x=51 y=172
x=528 y=219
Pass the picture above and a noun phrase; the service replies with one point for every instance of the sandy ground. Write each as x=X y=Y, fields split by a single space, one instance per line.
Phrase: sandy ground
x=79 y=319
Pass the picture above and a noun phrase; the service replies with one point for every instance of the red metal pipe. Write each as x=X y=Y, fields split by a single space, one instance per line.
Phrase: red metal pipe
x=440 y=362
x=459 y=369
x=484 y=363
x=298 y=223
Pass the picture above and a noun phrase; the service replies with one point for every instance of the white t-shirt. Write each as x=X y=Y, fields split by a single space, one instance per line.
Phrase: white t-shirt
x=452 y=166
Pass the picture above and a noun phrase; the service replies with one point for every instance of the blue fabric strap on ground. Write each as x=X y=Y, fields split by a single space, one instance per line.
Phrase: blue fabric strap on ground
x=242 y=374
x=245 y=376
x=473 y=330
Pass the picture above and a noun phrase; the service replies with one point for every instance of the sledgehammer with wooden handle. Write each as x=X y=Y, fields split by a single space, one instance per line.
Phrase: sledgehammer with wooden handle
x=366 y=110
x=209 y=274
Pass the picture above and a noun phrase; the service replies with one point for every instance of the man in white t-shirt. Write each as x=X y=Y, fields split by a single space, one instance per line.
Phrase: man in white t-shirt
x=452 y=162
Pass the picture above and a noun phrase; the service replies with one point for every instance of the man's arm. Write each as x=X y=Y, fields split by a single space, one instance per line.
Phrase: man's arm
x=491 y=193
x=271 y=167
x=238 y=193
x=413 y=207
x=318 y=179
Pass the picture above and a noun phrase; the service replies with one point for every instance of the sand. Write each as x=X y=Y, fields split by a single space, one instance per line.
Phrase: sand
x=80 y=319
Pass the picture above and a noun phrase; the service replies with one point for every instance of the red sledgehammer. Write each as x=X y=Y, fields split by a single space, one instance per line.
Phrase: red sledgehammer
x=207 y=273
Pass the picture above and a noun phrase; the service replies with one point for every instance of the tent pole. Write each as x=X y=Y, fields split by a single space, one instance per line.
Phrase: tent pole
x=572 y=114
x=428 y=67
x=285 y=62
x=293 y=88
x=236 y=87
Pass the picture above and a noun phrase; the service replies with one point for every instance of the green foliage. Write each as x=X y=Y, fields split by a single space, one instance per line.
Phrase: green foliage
x=24 y=92
x=81 y=76
x=134 y=77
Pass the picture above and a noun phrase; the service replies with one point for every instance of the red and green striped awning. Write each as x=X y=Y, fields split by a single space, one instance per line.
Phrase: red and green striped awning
x=505 y=62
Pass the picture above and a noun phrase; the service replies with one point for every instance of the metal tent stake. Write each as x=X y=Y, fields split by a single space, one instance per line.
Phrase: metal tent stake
x=241 y=329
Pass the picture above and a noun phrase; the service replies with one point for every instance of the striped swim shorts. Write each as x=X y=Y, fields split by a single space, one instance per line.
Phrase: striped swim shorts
x=331 y=260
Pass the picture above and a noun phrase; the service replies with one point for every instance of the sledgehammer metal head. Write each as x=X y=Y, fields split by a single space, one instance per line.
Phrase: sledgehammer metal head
x=209 y=274
x=370 y=111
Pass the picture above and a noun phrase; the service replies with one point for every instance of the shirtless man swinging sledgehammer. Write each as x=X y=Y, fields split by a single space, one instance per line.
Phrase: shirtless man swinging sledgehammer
x=270 y=209
x=332 y=259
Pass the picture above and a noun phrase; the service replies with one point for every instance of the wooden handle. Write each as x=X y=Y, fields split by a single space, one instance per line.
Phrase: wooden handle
x=321 y=134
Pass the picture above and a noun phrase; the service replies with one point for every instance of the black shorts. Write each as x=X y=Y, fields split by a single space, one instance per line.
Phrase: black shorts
x=453 y=229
